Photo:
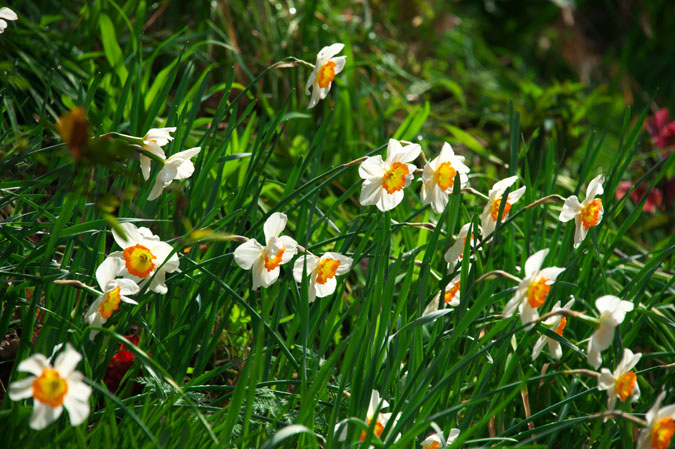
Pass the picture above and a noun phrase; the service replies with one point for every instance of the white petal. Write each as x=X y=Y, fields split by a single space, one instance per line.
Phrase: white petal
x=345 y=262
x=8 y=14
x=579 y=232
x=593 y=357
x=146 y=163
x=389 y=201
x=67 y=361
x=326 y=289
x=34 y=364
x=534 y=262
x=512 y=305
x=516 y=195
x=487 y=223
x=500 y=186
x=21 y=389
x=452 y=255
x=570 y=209
x=628 y=361
x=371 y=193
x=439 y=199
x=290 y=248
x=527 y=313
x=299 y=265
x=186 y=155
x=132 y=235
x=274 y=225
x=77 y=402
x=554 y=348
x=310 y=81
x=267 y=278
x=43 y=415
x=607 y=303
x=407 y=153
x=551 y=273
x=339 y=63
x=3 y=26
x=316 y=96
x=446 y=152
x=157 y=284
x=248 y=253
x=329 y=51
x=653 y=412
x=594 y=188
x=538 y=346
x=108 y=270
x=606 y=380
x=127 y=286
x=373 y=167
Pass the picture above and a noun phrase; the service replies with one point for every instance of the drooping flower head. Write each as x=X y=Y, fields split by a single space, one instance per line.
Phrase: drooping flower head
x=533 y=289
x=384 y=181
x=264 y=261
x=491 y=212
x=325 y=69
x=586 y=214
x=53 y=388
x=439 y=175
x=178 y=166
x=660 y=426
x=455 y=253
x=114 y=292
x=322 y=272
x=143 y=254
x=436 y=440
x=6 y=14
x=621 y=383
x=153 y=142
x=612 y=313
x=557 y=324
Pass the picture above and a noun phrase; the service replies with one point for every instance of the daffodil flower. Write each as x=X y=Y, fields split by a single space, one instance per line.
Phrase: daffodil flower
x=557 y=323
x=491 y=212
x=6 y=14
x=621 y=383
x=455 y=253
x=153 y=142
x=439 y=175
x=264 y=261
x=322 y=272
x=612 y=313
x=324 y=72
x=53 y=388
x=660 y=426
x=587 y=214
x=143 y=253
x=448 y=298
x=436 y=440
x=114 y=292
x=533 y=289
x=178 y=166
x=384 y=180
x=380 y=419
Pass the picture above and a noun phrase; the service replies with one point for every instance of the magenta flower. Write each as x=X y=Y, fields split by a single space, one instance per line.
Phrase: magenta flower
x=661 y=129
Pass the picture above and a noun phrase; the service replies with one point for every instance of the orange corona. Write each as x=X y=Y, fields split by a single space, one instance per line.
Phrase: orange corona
x=139 y=260
x=494 y=209
x=536 y=292
x=274 y=262
x=379 y=428
x=110 y=303
x=445 y=176
x=561 y=327
x=326 y=74
x=590 y=214
x=326 y=270
x=394 y=179
x=662 y=432
x=450 y=294
x=625 y=385
x=50 y=388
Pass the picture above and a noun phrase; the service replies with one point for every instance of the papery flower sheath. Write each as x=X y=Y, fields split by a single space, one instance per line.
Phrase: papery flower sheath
x=586 y=214
x=153 y=142
x=322 y=272
x=325 y=69
x=384 y=181
x=53 y=388
x=178 y=166
x=491 y=211
x=455 y=253
x=6 y=14
x=439 y=175
x=622 y=383
x=557 y=324
x=533 y=289
x=612 y=313
x=143 y=254
x=660 y=426
x=264 y=261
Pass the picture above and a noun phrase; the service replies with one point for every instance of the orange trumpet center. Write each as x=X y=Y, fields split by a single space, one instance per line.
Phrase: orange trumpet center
x=451 y=292
x=625 y=385
x=394 y=179
x=326 y=74
x=139 y=260
x=326 y=270
x=50 y=388
x=590 y=214
x=273 y=262
x=662 y=432
x=536 y=292
x=379 y=428
x=110 y=303
x=445 y=176
x=561 y=327
x=494 y=209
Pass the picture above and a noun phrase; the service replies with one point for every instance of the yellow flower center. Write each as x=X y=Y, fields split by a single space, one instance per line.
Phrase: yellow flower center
x=590 y=214
x=662 y=432
x=494 y=209
x=445 y=176
x=394 y=179
x=625 y=385
x=326 y=74
x=50 y=388
x=139 y=260
x=450 y=293
x=326 y=270
x=561 y=327
x=110 y=303
x=536 y=292
x=274 y=262
x=379 y=428
x=433 y=445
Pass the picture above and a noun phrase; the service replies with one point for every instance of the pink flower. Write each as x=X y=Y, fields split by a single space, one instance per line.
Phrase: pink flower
x=654 y=196
x=661 y=129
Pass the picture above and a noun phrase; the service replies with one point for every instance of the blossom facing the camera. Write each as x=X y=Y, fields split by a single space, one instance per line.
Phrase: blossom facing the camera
x=153 y=141
x=178 y=166
x=322 y=272
x=265 y=261
x=533 y=289
x=439 y=176
x=622 y=383
x=325 y=69
x=612 y=313
x=660 y=426
x=53 y=388
x=455 y=253
x=557 y=324
x=6 y=14
x=384 y=180
x=586 y=214
x=491 y=211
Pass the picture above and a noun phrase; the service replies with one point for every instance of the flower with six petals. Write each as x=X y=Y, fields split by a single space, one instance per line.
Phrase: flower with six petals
x=322 y=272
x=557 y=324
x=439 y=175
x=660 y=426
x=586 y=214
x=491 y=211
x=153 y=141
x=612 y=313
x=621 y=383
x=324 y=72
x=178 y=166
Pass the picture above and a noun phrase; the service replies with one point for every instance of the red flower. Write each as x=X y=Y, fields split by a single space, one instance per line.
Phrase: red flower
x=654 y=197
x=120 y=364
x=661 y=129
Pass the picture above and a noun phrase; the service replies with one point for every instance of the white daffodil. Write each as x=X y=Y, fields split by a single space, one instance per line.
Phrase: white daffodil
x=264 y=261
x=660 y=426
x=622 y=383
x=533 y=289
x=455 y=253
x=143 y=253
x=491 y=211
x=587 y=214
x=383 y=181
x=322 y=271
x=324 y=72
x=612 y=312
x=114 y=292
x=439 y=175
x=450 y=297
x=153 y=142
x=178 y=166
x=436 y=440
x=380 y=419
x=53 y=388
x=557 y=324
x=6 y=14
